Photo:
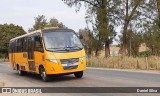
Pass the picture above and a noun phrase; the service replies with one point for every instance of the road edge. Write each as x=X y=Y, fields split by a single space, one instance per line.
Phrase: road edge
x=127 y=70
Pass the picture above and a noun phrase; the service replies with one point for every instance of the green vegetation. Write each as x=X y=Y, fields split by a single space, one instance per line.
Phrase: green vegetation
x=90 y=41
x=103 y=15
x=41 y=22
x=139 y=22
x=7 y=32
x=145 y=54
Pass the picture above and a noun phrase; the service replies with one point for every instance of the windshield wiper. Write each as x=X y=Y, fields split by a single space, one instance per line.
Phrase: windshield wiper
x=65 y=48
x=52 y=49
x=75 y=47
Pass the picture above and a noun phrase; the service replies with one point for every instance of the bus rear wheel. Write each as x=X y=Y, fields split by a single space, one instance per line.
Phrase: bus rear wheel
x=43 y=75
x=20 y=72
x=78 y=74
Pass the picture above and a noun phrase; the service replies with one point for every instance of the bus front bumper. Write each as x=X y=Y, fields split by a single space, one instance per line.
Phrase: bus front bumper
x=52 y=68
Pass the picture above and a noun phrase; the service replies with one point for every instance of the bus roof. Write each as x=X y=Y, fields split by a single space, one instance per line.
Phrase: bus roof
x=41 y=30
x=25 y=35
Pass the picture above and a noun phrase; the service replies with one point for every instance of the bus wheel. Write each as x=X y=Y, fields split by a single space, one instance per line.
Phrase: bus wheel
x=43 y=75
x=78 y=74
x=20 y=72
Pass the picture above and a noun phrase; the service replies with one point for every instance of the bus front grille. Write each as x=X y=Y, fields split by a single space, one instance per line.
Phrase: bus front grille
x=69 y=64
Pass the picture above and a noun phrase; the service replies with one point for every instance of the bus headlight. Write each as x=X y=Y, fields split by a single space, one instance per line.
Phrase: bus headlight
x=53 y=60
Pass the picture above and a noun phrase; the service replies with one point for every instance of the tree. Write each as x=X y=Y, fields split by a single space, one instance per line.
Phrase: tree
x=61 y=25
x=7 y=32
x=152 y=38
x=87 y=40
x=152 y=34
x=154 y=12
x=55 y=23
x=90 y=41
x=132 y=12
x=134 y=40
x=40 y=22
x=102 y=26
x=102 y=14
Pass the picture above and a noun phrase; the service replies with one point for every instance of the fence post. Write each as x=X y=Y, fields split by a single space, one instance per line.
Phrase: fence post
x=113 y=60
x=106 y=61
x=118 y=60
x=91 y=61
x=129 y=62
x=147 y=63
x=137 y=63
x=157 y=62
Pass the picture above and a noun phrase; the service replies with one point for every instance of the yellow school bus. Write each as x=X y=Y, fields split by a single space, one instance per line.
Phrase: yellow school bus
x=47 y=52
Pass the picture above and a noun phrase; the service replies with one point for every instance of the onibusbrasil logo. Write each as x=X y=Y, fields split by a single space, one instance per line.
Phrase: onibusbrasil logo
x=21 y=90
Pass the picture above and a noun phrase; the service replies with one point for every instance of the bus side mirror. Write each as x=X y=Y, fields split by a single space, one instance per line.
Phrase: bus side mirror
x=80 y=37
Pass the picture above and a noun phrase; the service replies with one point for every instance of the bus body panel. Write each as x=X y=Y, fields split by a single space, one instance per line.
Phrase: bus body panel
x=39 y=60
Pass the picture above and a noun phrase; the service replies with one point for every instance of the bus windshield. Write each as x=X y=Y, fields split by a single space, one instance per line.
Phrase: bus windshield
x=61 y=41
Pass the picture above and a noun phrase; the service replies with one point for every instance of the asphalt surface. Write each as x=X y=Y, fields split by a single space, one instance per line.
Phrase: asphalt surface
x=91 y=78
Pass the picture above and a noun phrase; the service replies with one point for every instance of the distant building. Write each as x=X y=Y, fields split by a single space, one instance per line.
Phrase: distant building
x=143 y=47
x=114 y=50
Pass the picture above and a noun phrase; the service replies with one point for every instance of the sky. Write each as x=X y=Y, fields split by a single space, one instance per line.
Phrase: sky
x=22 y=13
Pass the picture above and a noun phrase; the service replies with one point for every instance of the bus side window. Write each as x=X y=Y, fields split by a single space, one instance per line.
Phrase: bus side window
x=19 y=45
x=10 y=47
x=16 y=46
x=13 y=46
x=38 y=44
x=24 y=49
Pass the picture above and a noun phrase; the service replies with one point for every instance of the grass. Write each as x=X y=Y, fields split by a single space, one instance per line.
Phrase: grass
x=125 y=62
x=118 y=62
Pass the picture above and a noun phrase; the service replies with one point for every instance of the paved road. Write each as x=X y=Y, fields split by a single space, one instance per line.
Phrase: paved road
x=92 y=78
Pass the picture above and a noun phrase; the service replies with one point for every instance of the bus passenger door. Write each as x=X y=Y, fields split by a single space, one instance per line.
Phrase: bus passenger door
x=31 y=62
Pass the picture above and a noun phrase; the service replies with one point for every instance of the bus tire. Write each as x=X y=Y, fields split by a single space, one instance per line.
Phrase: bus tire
x=20 y=72
x=78 y=74
x=43 y=75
